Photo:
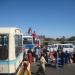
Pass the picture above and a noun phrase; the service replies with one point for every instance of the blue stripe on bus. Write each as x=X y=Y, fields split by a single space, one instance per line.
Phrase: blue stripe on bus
x=7 y=62
x=28 y=45
x=10 y=61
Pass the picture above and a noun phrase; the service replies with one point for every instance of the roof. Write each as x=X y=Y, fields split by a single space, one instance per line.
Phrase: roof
x=8 y=29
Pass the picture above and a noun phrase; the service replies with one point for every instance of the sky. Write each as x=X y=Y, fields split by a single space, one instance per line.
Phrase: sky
x=52 y=18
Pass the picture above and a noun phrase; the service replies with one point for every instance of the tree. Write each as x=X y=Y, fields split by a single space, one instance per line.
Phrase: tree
x=57 y=39
x=62 y=40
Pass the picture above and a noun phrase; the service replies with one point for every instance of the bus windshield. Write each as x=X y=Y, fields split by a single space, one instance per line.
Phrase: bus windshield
x=3 y=46
x=27 y=40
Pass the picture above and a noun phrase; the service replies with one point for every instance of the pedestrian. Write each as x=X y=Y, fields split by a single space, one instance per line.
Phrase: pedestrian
x=73 y=57
x=36 y=49
x=66 y=57
x=34 y=56
x=60 y=59
x=25 y=67
x=30 y=56
x=45 y=51
x=21 y=70
x=51 y=56
x=41 y=69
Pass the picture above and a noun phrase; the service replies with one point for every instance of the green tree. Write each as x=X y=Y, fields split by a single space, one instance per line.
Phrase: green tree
x=62 y=40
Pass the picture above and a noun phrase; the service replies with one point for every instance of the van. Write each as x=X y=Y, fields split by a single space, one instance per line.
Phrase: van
x=66 y=47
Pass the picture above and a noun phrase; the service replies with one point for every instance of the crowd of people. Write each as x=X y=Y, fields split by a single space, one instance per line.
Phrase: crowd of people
x=42 y=55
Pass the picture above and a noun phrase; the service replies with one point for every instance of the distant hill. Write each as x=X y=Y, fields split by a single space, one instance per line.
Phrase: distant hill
x=71 y=38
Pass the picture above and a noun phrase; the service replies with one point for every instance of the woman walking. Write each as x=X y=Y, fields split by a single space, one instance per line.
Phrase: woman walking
x=41 y=69
x=26 y=65
x=25 y=68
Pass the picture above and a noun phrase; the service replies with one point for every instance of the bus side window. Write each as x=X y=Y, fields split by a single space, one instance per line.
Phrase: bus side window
x=18 y=43
x=24 y=41
x=3 y=46
x=71 y=46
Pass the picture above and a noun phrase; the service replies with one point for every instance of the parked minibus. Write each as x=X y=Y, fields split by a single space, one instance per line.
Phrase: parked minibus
x=66 y=47
x=11 y=52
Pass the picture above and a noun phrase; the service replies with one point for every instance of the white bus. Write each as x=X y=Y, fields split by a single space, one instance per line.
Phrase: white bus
x=66 y=47
x=28 y=43
x=11 y=52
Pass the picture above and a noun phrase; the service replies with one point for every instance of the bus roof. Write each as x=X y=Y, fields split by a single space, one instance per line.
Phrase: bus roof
x=5 y=30
x=27 y=36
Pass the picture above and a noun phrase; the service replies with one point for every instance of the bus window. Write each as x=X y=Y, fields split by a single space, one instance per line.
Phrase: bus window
x=3 y=46
x=18 y=43
x=66 y=46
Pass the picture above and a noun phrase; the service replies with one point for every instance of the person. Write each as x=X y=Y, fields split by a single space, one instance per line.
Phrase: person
x=34 y=36
x=37 y=50
x=41 y=69
x=45 y=51
x=34 y=56
x=21 y=70
x=60 y=59
x=30 y=55
x=73 y=57
x=66 y=57
x=25 y=67
x=51 y=56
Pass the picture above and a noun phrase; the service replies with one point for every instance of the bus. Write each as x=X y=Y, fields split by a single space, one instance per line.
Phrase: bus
x=28 y=43
x=11 y=52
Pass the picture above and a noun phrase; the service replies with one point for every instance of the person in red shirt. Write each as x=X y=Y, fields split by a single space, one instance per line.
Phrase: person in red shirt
x=34 y=35
x=30 y=56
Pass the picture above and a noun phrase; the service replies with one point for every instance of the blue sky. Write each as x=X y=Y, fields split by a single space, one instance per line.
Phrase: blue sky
x=53 y=18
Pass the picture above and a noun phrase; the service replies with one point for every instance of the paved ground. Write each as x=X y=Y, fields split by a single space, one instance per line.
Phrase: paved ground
x=51 y=70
